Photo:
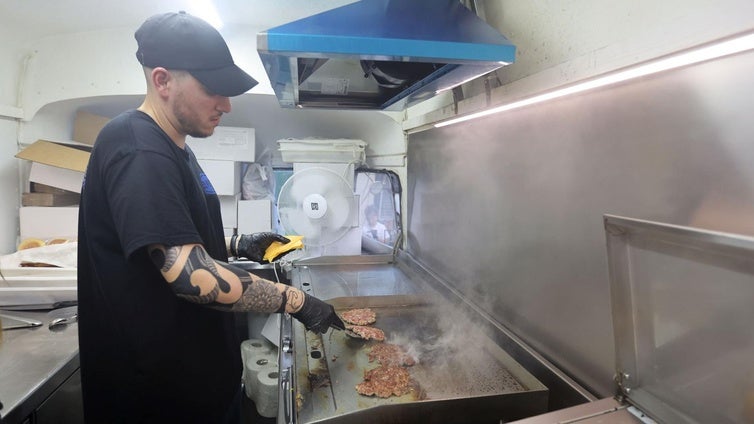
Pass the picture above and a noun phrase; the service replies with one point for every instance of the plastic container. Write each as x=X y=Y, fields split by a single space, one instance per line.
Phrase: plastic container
x=322 y=150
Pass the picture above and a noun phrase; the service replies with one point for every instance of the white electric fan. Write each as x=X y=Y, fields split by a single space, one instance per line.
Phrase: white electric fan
x=319 y=205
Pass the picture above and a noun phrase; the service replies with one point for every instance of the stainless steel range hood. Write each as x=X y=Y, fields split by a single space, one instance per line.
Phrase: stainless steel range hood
x=379 y=54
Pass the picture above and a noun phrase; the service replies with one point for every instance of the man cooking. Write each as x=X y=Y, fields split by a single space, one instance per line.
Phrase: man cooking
x=157 y=337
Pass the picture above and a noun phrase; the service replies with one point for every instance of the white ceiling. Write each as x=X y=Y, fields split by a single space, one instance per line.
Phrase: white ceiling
x=40 y=18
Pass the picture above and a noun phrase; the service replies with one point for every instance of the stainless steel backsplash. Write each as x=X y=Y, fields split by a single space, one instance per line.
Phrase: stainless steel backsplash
x=509 y=208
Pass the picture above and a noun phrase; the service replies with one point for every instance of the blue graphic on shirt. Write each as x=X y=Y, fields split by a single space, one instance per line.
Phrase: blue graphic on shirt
x=206 y=185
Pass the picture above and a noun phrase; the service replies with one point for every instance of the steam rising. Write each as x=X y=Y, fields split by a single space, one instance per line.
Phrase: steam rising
x=454 y=358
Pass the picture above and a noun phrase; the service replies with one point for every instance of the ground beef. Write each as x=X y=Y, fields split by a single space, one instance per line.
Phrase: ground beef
x=363 y=316
x=366 y=332
x=385 y=381
x=390 y=354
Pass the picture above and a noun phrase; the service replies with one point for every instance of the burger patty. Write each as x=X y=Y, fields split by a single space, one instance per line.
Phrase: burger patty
x=390 y=354
x=366 y=332
x=363 y=316
x=385 y=381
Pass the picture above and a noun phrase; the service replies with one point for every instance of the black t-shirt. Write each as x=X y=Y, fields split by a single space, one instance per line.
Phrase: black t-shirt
x=146 y=355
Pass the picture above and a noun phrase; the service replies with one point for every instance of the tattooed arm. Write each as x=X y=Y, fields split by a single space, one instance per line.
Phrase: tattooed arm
x=195 y=276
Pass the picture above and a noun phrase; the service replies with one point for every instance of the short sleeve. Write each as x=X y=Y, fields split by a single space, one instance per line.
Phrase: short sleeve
x=147 y=199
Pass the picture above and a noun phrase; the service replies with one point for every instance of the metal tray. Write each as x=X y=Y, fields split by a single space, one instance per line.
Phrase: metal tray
x=461 y=375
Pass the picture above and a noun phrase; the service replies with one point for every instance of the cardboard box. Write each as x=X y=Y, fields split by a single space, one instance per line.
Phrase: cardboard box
x=50 y=199
x=46 y=223
x=57 y=165
x=86 y=126
x=227 y=143
x=224 y=175
x=63 y=178
x=254 y=216
x=43 y=188
x=229 y=210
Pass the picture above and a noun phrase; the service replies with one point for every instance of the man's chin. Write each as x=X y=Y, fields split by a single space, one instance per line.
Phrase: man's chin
x=202 y=134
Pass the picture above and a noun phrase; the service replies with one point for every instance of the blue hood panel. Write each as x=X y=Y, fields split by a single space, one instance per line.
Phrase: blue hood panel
x=380 y=54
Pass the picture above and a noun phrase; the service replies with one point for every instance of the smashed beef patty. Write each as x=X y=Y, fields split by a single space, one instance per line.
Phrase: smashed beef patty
x=366 y=332
x=385 y=381
x=390 y=354
x=363 y=316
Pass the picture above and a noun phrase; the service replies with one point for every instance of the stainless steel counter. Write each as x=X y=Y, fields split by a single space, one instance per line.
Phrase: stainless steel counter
x=33 y=363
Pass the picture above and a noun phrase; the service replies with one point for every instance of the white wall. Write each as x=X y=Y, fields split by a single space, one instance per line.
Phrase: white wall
x=103 y=63
x=95 y=68
x=561 y=42
x=11 y=57
x=9 y=185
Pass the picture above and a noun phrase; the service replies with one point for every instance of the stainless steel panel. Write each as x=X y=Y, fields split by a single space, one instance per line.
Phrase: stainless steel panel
x=509 y=208
x=603 y=411
x=349 y=280
x=682 y=313
x=65 y=405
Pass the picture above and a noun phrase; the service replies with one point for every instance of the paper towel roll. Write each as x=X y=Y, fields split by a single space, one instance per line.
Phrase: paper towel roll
x=252 y=348
x=252 y=367
x=267 y=397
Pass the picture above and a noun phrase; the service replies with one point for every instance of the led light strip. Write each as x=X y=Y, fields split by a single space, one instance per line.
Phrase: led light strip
x=708 y=52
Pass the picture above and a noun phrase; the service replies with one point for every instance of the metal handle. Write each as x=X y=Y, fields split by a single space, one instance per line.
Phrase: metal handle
x=285 y=380
x=287 y=344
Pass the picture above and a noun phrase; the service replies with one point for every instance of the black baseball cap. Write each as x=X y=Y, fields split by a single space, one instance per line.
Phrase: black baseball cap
x=184 y=42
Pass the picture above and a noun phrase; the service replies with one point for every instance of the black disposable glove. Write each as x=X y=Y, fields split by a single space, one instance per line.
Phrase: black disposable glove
x=253 y=246
x=318 y=316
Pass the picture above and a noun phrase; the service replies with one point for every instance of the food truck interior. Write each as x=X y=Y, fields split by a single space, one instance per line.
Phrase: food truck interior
x=548 y=205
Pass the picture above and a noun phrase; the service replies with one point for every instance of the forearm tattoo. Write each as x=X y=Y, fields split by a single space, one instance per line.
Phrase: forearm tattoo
x=295 y=300
x=195 y=276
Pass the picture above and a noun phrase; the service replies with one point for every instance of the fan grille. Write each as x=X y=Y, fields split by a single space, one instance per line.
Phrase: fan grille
x=316 y=203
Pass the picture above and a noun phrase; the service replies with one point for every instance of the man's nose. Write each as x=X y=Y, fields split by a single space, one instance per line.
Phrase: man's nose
x=223 y=104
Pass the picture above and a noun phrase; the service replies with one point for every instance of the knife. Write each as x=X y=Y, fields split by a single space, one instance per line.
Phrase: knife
x=11 y=321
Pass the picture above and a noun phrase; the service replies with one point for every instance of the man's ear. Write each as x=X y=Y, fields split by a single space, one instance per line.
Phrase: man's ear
x=160 y=78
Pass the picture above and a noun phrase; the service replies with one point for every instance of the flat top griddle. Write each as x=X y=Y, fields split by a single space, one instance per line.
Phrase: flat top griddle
x=457 y=366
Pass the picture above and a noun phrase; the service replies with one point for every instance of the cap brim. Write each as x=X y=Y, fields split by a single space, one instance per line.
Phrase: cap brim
x=229 y=81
